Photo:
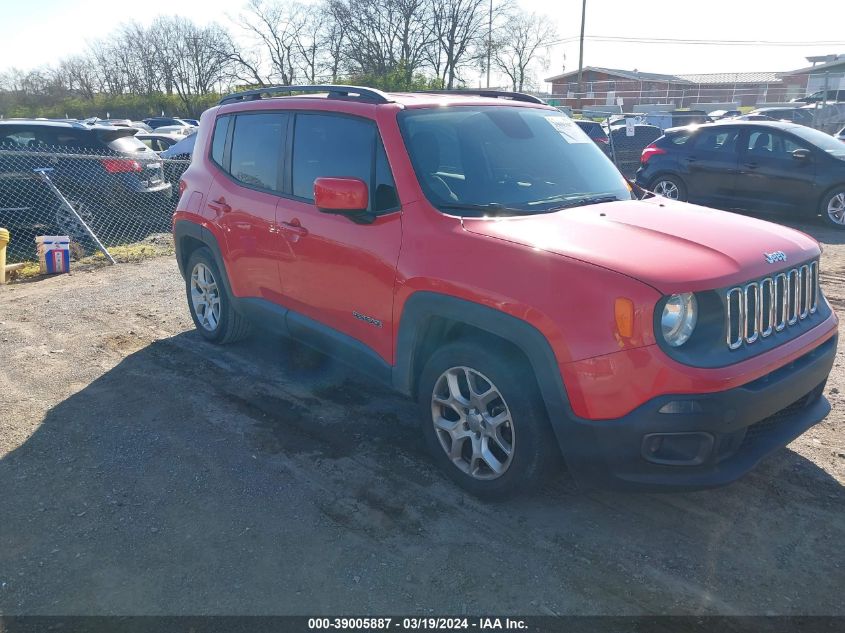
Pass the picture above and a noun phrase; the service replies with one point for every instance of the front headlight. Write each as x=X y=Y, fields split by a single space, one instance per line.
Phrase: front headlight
x=680 y=314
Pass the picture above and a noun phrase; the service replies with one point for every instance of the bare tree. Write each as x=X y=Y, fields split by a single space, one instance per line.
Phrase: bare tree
x=385 y=36
x=459 y=30
x=308 y=40
x=245 y=64
x=275 y=26
x=80 y=75
x=334 y=37
x=519 y=42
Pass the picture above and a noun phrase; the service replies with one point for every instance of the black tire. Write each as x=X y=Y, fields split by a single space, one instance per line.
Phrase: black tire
x=833 y=218
x=229 y=326
x=679 y=185
x=534 y=449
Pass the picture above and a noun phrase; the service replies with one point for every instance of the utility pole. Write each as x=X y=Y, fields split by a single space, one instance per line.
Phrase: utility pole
x=581 y=47
x=489 y=40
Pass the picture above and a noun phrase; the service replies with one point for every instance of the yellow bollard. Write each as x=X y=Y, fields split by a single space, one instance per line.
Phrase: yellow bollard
x=4 y=240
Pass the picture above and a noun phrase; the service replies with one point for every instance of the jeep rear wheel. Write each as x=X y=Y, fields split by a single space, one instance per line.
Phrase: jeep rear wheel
x=484 y=422
x=211 y=306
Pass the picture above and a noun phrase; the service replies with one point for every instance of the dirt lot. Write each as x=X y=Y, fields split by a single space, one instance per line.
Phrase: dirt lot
x=143 y=471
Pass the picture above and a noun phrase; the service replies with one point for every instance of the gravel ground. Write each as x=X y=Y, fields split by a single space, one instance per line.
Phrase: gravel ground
x=143 y=471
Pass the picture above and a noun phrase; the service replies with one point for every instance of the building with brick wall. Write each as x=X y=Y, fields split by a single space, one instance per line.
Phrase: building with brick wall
x=605 y=86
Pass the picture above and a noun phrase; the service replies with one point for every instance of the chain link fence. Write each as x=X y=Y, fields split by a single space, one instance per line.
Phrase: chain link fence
x=622 y=143
x=100 y=200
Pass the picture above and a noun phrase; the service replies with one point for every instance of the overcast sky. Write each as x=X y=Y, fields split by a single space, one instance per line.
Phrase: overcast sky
x=42 y=31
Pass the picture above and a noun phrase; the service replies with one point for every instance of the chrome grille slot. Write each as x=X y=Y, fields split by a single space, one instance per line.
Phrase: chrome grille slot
x=814 y=285
x=752 y=312
x=804 y=278
x=781 y=304
x=736 y=317
x=794 y=295
x=767 y=306
x=767 y=301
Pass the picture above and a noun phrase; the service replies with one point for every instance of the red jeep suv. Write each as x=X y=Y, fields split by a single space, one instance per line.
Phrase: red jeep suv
x=478 y=252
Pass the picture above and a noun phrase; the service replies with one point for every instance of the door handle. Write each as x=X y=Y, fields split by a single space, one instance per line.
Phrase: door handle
x=750 y=165
x=219 y=206
x=294 y=229
x=691 y=159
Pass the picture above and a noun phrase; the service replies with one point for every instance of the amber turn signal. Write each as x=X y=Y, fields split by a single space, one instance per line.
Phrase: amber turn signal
x=623 y=310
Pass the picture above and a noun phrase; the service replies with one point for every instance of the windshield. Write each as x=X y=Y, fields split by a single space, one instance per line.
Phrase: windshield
x=825 y=142
x=506 y=160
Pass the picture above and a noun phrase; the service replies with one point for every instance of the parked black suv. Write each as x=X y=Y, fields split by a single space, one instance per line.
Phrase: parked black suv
x=103 y=171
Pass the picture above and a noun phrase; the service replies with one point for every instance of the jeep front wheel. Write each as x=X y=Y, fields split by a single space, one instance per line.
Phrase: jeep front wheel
x=484 y=422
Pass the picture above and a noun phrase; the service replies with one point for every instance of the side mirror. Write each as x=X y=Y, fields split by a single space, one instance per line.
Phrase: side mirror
x=801 y=154
x=341 y=195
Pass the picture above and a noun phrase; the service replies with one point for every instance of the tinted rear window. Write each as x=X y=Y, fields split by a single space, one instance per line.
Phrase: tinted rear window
x=257 y=146
x=677 y=138
x=218 y=142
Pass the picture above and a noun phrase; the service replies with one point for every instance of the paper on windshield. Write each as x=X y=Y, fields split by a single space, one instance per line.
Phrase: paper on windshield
x=567 y=128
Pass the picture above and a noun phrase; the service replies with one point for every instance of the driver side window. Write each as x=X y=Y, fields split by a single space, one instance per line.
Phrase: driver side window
x=772 y=144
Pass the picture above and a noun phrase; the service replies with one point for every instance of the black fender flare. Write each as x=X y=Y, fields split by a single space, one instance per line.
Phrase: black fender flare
x=423 y=306
x=186 y=228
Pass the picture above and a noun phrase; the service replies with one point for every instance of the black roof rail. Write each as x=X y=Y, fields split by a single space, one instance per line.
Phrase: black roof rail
x=337 y=92
x=495 y=94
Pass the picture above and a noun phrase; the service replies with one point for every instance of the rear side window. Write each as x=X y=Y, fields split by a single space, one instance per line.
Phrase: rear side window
x=218 y=141
x=716 y=140
x=257 y=148
x=330 y=146
x=18 y=137
x=679 y=139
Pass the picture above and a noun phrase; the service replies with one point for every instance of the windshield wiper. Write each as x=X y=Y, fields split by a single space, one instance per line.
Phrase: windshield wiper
x=582 y=202
x=491 y=208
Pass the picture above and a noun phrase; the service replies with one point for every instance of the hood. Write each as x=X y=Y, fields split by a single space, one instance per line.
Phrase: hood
x=672 y=246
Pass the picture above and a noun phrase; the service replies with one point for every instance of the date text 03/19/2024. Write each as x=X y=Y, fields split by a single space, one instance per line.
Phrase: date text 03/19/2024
x=417 y=623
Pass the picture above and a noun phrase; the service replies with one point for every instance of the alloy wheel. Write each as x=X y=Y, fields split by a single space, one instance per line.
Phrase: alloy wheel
x=666 y=189
x=473 y=423
x=836 y=208
x=205 y=297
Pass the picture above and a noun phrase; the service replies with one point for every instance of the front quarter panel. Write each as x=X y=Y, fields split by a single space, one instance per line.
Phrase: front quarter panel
x=569 y=301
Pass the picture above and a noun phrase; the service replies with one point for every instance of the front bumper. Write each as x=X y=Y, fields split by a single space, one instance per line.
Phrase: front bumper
x=718 y=438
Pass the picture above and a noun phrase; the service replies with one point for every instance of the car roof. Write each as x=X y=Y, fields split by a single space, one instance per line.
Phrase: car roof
x=70 y=125
x=410 y=100
x=154 y=134
x=781 y=125
x=46 y=123
x=775 y=109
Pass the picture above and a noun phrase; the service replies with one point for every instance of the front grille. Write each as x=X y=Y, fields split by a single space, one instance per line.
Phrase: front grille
x=767 y=306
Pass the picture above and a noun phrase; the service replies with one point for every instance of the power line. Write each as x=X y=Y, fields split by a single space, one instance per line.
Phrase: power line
x=693 y=42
